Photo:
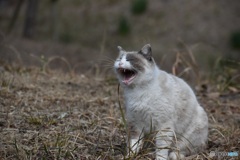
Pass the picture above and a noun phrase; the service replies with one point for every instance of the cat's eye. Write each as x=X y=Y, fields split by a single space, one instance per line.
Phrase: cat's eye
x=129 y=59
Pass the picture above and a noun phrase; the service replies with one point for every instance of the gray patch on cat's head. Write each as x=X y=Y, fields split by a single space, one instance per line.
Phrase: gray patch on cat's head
x=140 y=59
x=136 y=61
x=146 y=51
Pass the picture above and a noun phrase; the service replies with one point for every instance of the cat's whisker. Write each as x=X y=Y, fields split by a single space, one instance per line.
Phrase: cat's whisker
x=107 y=63
x=107 y=58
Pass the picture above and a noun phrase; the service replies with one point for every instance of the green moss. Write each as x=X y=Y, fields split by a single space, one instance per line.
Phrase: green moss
x=124 y=26
x=235 y=40
x=138 y=6
x=35 y=121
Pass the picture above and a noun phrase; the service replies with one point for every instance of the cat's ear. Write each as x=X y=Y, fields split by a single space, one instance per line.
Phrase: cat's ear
x=120 y=49
x=146 y=51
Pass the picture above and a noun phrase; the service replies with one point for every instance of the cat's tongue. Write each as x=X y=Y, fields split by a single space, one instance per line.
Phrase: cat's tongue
x=128 y=79
x=127 y=75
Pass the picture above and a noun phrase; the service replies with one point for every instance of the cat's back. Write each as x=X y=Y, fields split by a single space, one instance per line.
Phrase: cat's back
x=183 y=100
x=174 y=86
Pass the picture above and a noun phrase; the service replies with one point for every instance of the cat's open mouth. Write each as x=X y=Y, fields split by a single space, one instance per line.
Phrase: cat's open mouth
x=127 y=75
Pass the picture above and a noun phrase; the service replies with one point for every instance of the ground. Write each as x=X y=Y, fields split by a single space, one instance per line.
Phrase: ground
x=56 y=115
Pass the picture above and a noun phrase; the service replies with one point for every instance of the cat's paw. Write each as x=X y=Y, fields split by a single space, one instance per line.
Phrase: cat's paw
x=161 y=158
x=175 y=156
x=131 y=155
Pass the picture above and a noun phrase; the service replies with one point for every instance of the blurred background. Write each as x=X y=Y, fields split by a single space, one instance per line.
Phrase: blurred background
x=82 y=35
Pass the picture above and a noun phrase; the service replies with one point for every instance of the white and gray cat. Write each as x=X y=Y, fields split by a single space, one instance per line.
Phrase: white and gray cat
x=162 y=103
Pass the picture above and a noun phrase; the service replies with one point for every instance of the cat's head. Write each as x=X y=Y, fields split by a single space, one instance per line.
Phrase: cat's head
x=135 y=67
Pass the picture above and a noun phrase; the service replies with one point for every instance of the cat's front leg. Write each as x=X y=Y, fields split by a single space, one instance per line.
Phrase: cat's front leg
x=134 y=141
x=134 y=145
x=164 y=140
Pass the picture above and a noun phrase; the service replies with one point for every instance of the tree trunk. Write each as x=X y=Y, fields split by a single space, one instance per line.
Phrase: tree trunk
x=30 y=19
x=15 y=15
x=54 y=19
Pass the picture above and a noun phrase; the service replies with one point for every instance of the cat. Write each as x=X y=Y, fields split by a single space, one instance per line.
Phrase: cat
x=161 y=103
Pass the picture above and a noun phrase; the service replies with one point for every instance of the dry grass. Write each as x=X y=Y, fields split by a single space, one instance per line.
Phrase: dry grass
x=55 y=115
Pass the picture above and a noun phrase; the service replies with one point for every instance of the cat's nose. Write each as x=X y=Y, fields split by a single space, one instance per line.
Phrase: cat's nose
x=120 y=63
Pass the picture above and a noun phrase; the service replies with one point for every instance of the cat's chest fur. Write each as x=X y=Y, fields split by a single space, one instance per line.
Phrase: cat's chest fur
x=165 y=99
x=150 y=104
